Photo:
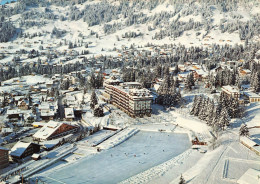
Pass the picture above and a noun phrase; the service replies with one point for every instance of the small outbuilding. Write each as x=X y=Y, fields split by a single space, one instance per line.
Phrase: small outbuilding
x=36 y=156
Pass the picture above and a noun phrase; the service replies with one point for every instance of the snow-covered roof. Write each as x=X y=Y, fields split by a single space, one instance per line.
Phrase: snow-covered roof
x=231 y=89
x=140 y=93
x=50 y=113
x=50 y=82
x=251 y=94
x=132 y=83
x=44 y=106
x=16 y=98
x=3 y=148
x=247 y=70
x=184 y=74
x=26 y=101
x=70 y=98
x=248 y=141
x=51 y=143
x=36 y=155
x=113 y=79
x=38 y=124
x=69 y=113
x=15 y=111
x=251 y=176
x=7 y=130
x=19 y=148
x=47 y=130
x=156 y=87
x=202 y=72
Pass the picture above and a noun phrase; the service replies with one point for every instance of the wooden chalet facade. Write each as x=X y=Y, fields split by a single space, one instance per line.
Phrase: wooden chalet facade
x=4 y=157
x=197 y=142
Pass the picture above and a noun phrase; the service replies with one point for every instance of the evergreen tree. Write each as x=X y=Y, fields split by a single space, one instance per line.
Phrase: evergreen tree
x=203 y=111
x=224 y=119
x=256 y=82
x=198 y=105
x=176 y=70
x=210 y=113
x=93 y=100
x=234 y=108
x=194 y=104
x=158 y=71
x=182 y=181
x=243 y=131
x=98 y=111
x=189 y=82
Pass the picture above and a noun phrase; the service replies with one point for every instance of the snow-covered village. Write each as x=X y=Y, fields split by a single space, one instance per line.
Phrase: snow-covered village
x=120 y=91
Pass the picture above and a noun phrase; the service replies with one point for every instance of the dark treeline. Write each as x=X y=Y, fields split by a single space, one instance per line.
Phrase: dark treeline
x=217 y=115
x=41 y=69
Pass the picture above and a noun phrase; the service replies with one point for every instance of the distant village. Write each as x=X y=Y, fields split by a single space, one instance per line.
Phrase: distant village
x=47 y=114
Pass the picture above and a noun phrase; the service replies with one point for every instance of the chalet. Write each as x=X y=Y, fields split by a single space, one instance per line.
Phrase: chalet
x=155 y=88
x=73 y=88
x=69 y=114
x=35 y=88
x=47 y=111
x=130 y=98
x=70 y=100
x=44 y=91
x=49 y=84
x=183 y=76
x=53 y=130
x=14 y=114
x=200 y=75
x=218 y=69
x=182 y=68
x=6 y=131
x=231 y=64
x=18 y=98
x=4 y=157
x=252 y=97
x=113 y=80
x=231 y=91
x=22 y=149
x=197 y=142
x=244 y=72
x=23 y=104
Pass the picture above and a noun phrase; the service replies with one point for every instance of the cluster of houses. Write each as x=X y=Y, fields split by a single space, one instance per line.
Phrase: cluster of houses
x=37 y=106
x=242 y=96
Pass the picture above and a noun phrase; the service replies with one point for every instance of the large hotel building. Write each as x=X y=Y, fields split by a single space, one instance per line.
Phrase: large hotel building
x=129 y=97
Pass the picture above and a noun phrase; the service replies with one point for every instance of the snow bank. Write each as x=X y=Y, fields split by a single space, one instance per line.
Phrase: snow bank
x=158 y=170
x=98 y=137
x=118 y=138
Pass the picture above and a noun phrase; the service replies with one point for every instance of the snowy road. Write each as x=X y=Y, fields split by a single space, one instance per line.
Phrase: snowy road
x=139 y=153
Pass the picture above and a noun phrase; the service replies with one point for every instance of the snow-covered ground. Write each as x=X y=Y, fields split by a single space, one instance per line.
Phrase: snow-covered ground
x=139 y=153
x=25 y=80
